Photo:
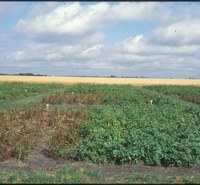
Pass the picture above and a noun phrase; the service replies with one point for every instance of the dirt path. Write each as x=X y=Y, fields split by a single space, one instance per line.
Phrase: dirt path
x=39 y=162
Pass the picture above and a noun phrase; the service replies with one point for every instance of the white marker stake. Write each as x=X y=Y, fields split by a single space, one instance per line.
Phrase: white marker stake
x=47 y=106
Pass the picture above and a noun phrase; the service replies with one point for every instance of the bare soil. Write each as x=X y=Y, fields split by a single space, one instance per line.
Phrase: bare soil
x=39 y=162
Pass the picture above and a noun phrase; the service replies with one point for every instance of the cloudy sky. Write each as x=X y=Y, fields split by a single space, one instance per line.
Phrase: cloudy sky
x=152 y=39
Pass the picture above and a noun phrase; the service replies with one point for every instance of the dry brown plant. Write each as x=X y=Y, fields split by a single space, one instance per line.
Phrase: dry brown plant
x=73 y=98
x=23 y=131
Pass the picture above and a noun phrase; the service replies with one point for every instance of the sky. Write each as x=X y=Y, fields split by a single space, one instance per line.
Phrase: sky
x=125 y=39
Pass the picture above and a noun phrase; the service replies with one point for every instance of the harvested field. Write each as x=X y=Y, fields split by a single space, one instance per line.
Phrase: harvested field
x=91 y=80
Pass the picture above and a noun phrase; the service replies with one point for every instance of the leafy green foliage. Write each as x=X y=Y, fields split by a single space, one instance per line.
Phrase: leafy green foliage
x=133 y=124
x=128 y=129
x=187 y=93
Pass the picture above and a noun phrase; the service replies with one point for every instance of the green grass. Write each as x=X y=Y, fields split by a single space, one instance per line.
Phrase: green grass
x=70 y=175
x=14 y=91
x=13 y=95
x=148 y=178
x=65 y=175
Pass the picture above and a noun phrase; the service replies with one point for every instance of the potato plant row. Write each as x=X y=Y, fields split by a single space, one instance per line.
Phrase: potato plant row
x=137 y=125
x=187 y=93
x=124 y=124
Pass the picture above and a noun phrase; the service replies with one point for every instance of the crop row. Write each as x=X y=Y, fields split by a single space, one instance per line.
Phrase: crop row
x=125 y=124
x=187 y=93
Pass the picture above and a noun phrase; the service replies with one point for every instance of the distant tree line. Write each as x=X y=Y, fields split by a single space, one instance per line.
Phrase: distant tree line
x=24 y=74
x=30 y=74
x=111 y=76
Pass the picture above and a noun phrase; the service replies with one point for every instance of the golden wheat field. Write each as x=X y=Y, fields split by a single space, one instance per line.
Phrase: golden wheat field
x=99 y=80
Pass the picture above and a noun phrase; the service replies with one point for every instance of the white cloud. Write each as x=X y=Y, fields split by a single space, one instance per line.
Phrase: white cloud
x=147 y=45
x=180 y=33
x=94 y=51
x=42 y=9
x=135 y=56
x=145 y=12
x=68 y=38
x=72 y=19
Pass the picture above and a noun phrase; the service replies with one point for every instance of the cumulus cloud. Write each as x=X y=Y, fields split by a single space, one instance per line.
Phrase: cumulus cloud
x=68 y=39
x=70 y=20
x=74 y=20
x=141 y=49
x=109 y=59
x=42 y=9
x=180 y=33
x=134 y=56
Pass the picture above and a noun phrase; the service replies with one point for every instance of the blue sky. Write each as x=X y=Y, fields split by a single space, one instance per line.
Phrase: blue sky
x=152 y=39
x=121 y=31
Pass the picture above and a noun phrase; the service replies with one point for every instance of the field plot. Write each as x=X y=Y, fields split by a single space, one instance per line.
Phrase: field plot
x=91 y=80
x=188 y=93
x=103 y=125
